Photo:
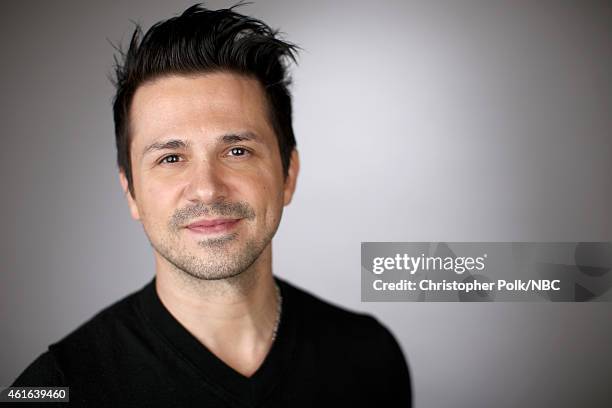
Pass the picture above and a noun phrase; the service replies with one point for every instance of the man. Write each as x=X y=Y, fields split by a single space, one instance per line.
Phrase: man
x=207 y=161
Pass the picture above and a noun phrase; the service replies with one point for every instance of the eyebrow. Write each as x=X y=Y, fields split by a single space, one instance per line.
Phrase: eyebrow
x=167 y=145
x=181 y=144
x=239 y=137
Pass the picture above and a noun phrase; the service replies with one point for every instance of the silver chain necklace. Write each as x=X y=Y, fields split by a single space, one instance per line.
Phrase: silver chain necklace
x=279 y=310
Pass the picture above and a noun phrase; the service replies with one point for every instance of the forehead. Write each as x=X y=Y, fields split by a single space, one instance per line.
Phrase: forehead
x=198 y=106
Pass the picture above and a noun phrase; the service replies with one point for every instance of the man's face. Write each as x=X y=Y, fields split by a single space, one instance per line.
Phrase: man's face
x=207 y=173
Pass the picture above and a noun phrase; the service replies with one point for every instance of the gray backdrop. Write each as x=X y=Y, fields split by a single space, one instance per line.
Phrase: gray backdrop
x=416 y=121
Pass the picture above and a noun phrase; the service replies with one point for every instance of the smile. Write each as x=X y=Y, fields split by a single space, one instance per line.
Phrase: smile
x=213 y=226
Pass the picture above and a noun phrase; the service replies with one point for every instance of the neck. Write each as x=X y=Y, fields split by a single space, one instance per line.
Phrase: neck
x=234 y=318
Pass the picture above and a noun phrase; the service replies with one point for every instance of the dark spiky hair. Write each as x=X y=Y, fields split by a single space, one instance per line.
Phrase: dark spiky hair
x=202 y=41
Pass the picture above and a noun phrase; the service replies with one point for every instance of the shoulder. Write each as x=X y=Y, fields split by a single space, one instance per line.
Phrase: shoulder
x=329 y=320
x=94 y=339
x=110 y=322
x=44 y=371
x=350 y=349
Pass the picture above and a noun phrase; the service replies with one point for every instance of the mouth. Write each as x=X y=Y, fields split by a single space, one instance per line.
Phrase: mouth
x=214 y=226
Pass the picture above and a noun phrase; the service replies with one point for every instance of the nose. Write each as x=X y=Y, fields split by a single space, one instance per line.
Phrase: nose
x=206 y=183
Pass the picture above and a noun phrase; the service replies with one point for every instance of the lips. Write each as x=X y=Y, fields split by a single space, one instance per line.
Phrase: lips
x=216 y=225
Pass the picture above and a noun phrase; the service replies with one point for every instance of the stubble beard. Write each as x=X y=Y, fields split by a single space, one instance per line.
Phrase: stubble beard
x=219 y=258
x=216 y=258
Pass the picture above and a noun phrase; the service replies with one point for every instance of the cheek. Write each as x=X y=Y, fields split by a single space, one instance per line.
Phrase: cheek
x=270 y=199
x=156 y=205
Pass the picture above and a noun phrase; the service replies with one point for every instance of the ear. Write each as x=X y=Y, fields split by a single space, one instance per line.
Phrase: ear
x=291 y=179
x=128 y=195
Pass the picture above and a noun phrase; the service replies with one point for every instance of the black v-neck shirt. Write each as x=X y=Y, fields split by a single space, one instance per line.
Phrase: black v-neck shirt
x=136 y=354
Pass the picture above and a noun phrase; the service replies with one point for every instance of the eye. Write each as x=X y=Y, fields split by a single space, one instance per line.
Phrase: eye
x=169 y=159
x=238 y=151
